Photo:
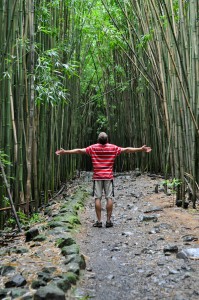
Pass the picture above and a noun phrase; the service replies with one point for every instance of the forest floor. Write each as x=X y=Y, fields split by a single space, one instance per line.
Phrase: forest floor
x=137 y=258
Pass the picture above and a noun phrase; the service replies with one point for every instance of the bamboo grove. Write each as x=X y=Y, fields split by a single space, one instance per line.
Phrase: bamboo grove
x=70 y=69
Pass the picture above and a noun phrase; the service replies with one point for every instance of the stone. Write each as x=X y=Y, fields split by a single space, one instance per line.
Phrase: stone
x=164 y=226
x=49 y=270
x=16 y=280
x=145 y=218
x=30 y=234
x=74 y=268
x=49 y=292
x=65 y=241
x=39 y=238
x=127 y=233
x=191 y=253
x=68 y=219
x=3 y=293
x=67 y=250
x=189 y=238
x=74 y=258
x=48 y=211
x=58 y=230
x=170 y=248
x=72 y=277
x=44 y=276
x=154 y=230
x=53 y=224
x=17 y=292
x=21 y=250
x=5 y=270
x=36 y=284
x=179 y=203
x=62 y=283
x=153 y=209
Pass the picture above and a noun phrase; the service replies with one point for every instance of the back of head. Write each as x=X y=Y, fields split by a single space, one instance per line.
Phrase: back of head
x=102 y=138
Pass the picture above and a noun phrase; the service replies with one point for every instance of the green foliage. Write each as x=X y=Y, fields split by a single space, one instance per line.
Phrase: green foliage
x=172 y=184
x=144 y=40
x=3 y=159
x=102 y=123
x=5 y=202
x=50 y=73
x=24 y=219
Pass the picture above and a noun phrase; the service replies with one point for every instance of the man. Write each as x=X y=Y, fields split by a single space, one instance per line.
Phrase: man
x=103 y=157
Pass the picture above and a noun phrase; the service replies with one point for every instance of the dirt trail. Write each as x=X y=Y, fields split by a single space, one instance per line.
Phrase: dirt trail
x=128 y=261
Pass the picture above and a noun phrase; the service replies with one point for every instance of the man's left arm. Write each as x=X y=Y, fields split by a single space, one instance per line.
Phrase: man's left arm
x=144 y=148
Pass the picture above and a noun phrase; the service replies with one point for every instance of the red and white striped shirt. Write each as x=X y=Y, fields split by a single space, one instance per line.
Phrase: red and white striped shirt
x=103 y=158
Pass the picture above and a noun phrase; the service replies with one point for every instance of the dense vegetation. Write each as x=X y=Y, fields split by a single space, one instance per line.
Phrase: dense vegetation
x=70 y=69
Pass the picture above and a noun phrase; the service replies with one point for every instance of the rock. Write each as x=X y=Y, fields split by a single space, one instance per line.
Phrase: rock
x=192 y=253
x=154 y=230
x=16 y=280
x=189 y=238
x=5 y=270
x=145 y=218
x=164 y=226
x=156 y=188
x=153 y=209
x=72 y=277
x=3 y=293
x=58 y=230
x=65 y=241
x=36 y=284
x=179 y=203
x=127 y=233
x=74 y=258
x=30 y=234
x=170 y=248
x=53 y=224
x=44 y=276
x=49 y=292
x=39 y=238
x=17 y=292
x=67 y=250
x=73 y=220
x=21 y=250
x=48 y=211
x=137 y=172
x=74 y=268
x=136 y=195
x=49 y=270
x=62 y=283
x=110 y=277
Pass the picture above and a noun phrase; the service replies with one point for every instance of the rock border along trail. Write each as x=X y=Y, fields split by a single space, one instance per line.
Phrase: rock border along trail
x=137 y=258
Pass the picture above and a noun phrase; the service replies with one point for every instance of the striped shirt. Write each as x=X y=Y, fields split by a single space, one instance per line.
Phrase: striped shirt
x=103 y=158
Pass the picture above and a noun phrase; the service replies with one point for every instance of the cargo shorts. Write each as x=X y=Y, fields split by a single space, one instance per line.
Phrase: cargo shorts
x=103 y=185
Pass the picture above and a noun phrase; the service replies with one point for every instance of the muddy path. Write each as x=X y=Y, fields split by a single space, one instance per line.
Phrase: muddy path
x=136 y=259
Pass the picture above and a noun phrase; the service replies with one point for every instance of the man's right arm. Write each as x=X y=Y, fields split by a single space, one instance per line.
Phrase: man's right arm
x=72 y=151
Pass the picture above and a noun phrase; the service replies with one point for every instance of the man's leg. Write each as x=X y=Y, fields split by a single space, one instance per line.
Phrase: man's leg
x=109 y=209
x=98 y=208
x=108 y=188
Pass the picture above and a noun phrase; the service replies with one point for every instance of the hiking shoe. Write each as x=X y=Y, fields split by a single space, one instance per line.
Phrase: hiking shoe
x=97 y=224
x=109 y=224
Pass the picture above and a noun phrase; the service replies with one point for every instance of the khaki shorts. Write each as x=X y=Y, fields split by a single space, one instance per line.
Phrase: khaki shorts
x=103 y=185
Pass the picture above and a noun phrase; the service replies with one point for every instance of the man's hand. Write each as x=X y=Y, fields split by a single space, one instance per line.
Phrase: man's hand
x=60 y=152
x=146 y=149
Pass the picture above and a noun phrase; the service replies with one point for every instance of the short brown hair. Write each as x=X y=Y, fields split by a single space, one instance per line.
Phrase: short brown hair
x=102 y=138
